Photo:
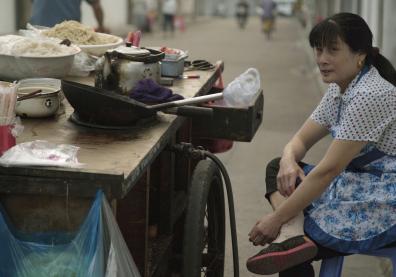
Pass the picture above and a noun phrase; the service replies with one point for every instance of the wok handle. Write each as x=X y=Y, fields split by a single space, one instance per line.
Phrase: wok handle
x=190 y=111
x=188 y=101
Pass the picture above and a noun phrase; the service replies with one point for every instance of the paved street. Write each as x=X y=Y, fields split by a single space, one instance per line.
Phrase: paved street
x=291 y=91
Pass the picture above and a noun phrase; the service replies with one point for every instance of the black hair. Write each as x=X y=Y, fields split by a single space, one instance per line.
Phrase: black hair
x=354 y=31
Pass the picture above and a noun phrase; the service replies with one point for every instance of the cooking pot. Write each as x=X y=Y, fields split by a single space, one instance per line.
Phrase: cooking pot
x=45 y=103
x=121 y=68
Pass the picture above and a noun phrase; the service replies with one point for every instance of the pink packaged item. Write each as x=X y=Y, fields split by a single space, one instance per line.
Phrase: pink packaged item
x=7 y=139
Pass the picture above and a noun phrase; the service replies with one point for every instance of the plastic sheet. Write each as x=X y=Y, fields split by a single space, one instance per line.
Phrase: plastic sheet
x=41 y=153
x=96 y=250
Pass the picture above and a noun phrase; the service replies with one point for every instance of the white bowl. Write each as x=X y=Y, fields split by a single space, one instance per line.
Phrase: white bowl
x=100 y=49
x=20 y=67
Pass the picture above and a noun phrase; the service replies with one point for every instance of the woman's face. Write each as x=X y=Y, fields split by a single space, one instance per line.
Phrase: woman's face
x=338 y=64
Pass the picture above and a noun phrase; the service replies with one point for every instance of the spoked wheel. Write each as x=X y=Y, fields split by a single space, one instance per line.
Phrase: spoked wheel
x=204 y=230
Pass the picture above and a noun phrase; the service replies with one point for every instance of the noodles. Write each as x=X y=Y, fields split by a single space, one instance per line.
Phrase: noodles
x=78 y=34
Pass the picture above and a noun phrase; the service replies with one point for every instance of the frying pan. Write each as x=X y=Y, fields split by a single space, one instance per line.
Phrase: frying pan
x=99 y=107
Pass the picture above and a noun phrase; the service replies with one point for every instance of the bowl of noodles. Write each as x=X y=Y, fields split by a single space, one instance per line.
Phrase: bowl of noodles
x=86 y=38
x=22 y=57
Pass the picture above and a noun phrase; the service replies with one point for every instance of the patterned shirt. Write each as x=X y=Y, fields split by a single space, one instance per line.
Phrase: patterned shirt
x=366 y=111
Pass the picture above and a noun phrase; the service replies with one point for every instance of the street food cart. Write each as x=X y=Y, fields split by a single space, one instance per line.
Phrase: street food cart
x=168 y=205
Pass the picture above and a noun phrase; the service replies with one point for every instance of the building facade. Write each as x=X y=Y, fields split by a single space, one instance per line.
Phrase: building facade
x=379 y=15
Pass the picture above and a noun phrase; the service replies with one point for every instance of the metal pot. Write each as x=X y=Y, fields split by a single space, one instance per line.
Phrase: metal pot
x=43 y=104
x=120 y=69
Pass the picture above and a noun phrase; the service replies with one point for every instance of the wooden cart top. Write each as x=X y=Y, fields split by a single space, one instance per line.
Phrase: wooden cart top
x=113 y=159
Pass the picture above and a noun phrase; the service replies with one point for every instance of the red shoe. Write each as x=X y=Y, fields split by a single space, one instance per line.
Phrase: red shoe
x=280 y=256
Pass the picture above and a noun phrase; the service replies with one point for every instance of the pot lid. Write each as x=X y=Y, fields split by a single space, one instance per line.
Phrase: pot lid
x=130 y=51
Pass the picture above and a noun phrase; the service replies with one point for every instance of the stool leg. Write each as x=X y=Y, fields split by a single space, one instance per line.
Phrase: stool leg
x=332 y=267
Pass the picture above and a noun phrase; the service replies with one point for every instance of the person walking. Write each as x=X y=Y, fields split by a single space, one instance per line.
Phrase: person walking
x=50 y=12
x=242 y=13
x=268 y=10
x=346 y=203
x=169 y=8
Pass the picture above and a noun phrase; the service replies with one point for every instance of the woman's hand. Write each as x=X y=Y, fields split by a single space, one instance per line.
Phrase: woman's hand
x=289 y=172
x=266 y=230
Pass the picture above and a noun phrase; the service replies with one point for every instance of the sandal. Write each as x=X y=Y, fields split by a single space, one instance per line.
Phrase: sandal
x=280 y=256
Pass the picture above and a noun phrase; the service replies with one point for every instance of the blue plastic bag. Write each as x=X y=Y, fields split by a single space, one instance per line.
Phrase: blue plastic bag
x=87 y=253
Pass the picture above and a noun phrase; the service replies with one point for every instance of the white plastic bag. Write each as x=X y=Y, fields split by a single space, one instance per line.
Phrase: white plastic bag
x=41 y=153
x=83 y=64
x=243 y=89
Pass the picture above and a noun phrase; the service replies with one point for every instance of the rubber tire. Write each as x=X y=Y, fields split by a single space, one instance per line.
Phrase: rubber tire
x=206 y=194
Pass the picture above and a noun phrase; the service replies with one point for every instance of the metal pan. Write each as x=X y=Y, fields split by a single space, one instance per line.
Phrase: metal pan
x=99 y=107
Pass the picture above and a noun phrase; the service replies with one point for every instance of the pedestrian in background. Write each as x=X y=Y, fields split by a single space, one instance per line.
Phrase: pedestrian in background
x=50 y=12
x=242 y=13
x=268 y=14
x=346 y=203
x=169 y=8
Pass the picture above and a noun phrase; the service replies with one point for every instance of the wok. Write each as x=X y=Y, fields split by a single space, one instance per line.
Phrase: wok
x=99 y=107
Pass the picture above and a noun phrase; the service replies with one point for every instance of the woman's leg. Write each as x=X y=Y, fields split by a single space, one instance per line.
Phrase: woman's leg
x=295 y=226
x=291 y=252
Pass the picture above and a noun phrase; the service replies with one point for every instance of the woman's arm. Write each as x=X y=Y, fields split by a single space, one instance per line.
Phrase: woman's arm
x=310 y=133
x=98 y=12
x=338 y=156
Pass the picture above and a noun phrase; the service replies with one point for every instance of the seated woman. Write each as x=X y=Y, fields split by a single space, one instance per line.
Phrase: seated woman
x=347 y=203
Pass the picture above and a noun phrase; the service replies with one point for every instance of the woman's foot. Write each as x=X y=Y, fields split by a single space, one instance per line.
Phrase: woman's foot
x=280 y=256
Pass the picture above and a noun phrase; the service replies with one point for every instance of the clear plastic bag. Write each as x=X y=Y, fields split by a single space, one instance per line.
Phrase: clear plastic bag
x=83 y=64
x=96 y=250
x=243 y=89
x=41 y=153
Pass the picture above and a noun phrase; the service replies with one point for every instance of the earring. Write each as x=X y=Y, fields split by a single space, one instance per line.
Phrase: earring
x=360 y=63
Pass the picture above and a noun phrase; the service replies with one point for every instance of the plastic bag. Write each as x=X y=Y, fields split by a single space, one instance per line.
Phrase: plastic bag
x=243 y=89
x=41 y=153
x=88 y=253
x=83 y=64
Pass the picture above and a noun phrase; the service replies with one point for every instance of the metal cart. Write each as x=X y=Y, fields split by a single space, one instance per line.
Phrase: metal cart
x=168 y=202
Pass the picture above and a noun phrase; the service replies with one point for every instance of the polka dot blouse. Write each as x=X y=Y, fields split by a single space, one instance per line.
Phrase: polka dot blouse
x=365 y=112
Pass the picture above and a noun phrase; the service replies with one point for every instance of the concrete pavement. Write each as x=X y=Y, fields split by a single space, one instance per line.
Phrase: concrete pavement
x=291 y=91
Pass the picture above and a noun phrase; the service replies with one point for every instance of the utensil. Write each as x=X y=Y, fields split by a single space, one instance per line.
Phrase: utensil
x=199 y=65
x=29 y=95
x=107 y=108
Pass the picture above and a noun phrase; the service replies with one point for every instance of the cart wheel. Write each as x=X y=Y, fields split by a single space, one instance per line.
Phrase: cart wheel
x=204 y=230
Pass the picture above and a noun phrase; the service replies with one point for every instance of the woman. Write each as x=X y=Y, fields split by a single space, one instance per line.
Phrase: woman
x=349 y=198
